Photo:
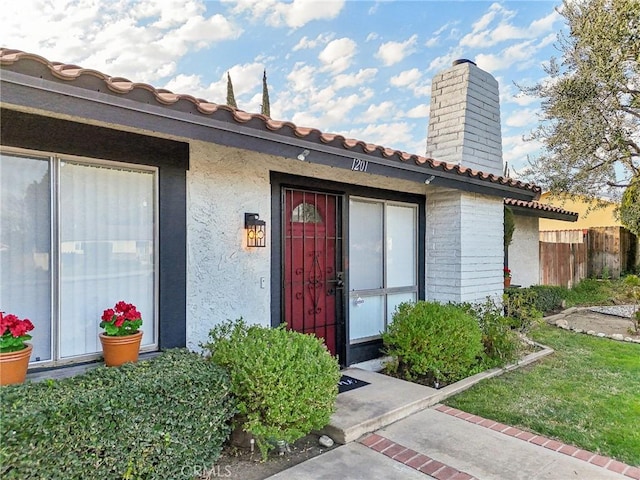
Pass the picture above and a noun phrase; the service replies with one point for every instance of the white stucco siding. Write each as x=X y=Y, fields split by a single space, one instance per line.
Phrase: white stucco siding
x=223 y=276
x=524 y=254
x=464 y=246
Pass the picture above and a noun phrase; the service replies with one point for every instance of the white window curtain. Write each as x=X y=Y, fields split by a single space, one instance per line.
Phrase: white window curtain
x=25 y=245
x=382 y=264
x=106 y=249
x=62 y=275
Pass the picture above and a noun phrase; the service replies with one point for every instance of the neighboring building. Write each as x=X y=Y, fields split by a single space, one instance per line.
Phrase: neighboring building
x=113 y=190
x=590 y=216
x=610 y=249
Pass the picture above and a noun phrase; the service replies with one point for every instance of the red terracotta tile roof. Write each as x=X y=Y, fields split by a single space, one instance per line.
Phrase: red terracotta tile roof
x=542 y=208
x=119 y=85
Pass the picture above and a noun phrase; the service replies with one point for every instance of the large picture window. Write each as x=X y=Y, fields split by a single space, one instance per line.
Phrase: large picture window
x=76 y=236
x=383 y=262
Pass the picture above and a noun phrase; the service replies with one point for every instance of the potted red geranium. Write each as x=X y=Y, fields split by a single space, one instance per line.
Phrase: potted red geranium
x=122 y=335
x=507 y=277
x=14 y=351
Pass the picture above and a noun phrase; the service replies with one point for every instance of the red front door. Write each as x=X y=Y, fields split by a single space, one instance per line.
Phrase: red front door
x=311 y=278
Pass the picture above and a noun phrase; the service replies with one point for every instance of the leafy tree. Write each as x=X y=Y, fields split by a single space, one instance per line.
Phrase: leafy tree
x=231 y=99
x=509 y=226
x=590 y=121
x=266 y=107
x=630 y=208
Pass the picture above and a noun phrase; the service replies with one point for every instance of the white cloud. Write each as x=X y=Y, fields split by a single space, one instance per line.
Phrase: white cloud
x=112 y=37
x=393 y=52
x=521 y=55
x=522 y=117
x=372 y=36
x=412 y=79
x=246 y=79
x=419 y=111
x=406 y=78
x=354 y=79
x=302 y=77
x=376 y=112
x=432 y=42
x=445 y=61
x=509 y=94
x=482 y=36
x=391 y=135
x=515 y=150
x=192 y=84
x=337 y=55
x=445 y=26
x=294 y=14
x=306 y=43
x=484 y=21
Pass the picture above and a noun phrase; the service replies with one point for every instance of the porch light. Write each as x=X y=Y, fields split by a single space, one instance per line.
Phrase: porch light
x=256 y=235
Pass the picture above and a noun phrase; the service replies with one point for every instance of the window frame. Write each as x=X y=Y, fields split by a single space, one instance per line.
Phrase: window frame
x=385 y=291
x=55 y=161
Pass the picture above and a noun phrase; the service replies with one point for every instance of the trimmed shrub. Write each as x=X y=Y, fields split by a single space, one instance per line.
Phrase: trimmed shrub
x=520 y=305
x=286 y=382
x=549 y=298
x=501 y=343
x=154 y=419
x=439 y=343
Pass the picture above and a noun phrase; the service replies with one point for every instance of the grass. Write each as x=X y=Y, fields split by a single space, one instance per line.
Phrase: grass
x=586 y=394
x=591 y=291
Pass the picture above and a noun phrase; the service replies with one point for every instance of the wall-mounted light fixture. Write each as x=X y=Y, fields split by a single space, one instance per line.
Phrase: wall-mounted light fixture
x=429 y=180
x=303 y=156
x=256 y=230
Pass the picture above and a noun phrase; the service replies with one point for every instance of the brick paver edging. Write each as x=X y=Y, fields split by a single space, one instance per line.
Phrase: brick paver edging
x=413 y=459
x=584 y=455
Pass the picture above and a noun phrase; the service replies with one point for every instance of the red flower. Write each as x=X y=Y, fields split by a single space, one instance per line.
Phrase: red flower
x=123 y=319
x=13 y=332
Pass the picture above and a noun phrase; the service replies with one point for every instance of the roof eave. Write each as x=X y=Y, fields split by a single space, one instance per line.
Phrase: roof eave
x=24 y=90
x=532 y=212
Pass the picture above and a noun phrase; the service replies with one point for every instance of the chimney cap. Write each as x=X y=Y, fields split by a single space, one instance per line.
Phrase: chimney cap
x=462 y=60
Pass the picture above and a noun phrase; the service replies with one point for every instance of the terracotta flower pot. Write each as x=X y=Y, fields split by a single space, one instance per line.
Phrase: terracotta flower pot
x=119 y=350
x=507 y=282
x=13 y=365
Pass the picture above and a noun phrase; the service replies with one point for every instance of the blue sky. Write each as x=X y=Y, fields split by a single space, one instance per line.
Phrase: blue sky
x=359 y=68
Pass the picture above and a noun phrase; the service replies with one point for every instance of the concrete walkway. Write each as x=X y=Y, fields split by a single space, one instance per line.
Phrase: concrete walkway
x=415 y=437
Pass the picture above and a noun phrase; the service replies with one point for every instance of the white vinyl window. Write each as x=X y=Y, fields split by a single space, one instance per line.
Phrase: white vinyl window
x=76 y=236
x=383 y=238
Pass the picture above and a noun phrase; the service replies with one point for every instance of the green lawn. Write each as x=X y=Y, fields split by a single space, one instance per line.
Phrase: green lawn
x=586 y=394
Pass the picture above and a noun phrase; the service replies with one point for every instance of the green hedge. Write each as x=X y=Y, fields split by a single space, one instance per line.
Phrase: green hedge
x=286 y=382
x=549 y=298
x=431 y=341
x=157 y=419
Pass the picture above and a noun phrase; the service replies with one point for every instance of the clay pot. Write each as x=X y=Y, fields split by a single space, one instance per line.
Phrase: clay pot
x=119 y=350
x=13 y=365
x=507 y=282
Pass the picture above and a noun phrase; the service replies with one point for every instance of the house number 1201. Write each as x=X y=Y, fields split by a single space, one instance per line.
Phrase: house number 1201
x=359 y=165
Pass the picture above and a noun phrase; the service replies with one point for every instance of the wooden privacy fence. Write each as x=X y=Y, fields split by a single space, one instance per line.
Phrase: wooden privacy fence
x=568 y=256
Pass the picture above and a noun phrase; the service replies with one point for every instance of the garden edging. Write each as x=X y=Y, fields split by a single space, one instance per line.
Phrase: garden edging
x=559 y=320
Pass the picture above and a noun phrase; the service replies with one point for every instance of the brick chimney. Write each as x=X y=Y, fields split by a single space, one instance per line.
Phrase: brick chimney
x=464 y=237
x=464 y=122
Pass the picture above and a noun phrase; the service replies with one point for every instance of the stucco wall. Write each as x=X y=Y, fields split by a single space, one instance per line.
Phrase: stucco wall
x=588 y=217
x=464 y=246
x=223 y=276
x=524 y=255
